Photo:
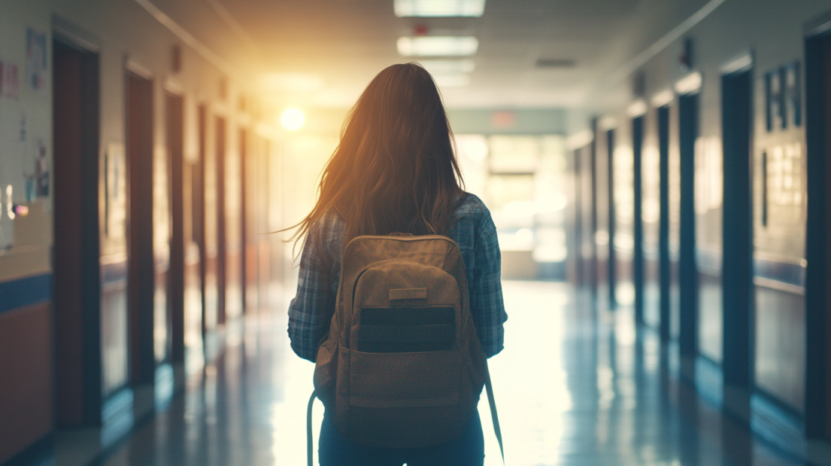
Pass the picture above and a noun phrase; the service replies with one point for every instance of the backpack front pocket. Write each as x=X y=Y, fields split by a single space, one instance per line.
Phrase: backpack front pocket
x=407 y=329
x=405 y=400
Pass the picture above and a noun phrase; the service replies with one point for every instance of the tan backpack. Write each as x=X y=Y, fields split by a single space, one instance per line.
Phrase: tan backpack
x=402 y=366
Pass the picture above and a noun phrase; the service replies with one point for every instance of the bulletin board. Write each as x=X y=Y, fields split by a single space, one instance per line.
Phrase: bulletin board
x=25 y=139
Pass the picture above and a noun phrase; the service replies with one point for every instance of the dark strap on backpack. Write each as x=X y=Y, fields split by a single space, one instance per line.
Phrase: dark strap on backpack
x=494 y=417
x=309 y=440
x=491 y=402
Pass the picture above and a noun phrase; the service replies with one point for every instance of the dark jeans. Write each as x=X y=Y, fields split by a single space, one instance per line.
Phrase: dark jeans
x=467 y=450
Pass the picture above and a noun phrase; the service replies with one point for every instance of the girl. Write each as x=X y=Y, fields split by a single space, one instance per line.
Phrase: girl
x=395 y=171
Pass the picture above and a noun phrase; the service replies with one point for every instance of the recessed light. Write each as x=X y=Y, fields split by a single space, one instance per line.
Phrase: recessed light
x=469 y=8
x=689 y=84
x=437 y=46
x=448 y=66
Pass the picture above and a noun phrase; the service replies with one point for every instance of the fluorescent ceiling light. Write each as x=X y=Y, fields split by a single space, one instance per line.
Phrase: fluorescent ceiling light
x=472 y=8
x=637 y=108
x=580 y=140
x=607 y=122
x=448 y=66
x=452 y=80
x=663 y=98
x=437 y=46
x=742 y=63
x=690 y=84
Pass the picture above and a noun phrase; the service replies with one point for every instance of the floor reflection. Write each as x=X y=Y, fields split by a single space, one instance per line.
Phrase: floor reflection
x=574 y=386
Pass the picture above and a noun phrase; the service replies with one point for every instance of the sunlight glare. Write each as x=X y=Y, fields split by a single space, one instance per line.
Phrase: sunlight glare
x=292 y=119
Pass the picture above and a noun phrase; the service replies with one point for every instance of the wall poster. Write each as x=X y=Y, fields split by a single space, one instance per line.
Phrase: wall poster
x=36 y=68
x=9 y=81
x=115 y=193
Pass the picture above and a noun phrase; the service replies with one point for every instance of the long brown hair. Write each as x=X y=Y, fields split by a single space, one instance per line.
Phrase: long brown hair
x=395 y=169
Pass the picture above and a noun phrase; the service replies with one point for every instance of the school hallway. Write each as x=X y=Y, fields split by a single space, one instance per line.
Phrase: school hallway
x=657 y=175
x=573 y=388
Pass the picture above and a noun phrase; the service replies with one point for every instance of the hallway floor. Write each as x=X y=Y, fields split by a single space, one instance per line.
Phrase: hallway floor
x=572 y=388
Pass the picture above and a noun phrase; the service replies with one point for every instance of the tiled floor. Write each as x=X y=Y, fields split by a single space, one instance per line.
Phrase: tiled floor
x=573 y=388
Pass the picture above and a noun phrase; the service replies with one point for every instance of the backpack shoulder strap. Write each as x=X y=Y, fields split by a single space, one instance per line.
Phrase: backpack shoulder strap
x=309 y=439
x=494 y=416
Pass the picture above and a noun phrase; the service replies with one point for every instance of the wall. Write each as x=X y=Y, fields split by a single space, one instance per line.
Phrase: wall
x=772 y=34
x=25 y=273
x=125 y=35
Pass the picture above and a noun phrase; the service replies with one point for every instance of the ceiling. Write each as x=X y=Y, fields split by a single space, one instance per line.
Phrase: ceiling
x=324 y=52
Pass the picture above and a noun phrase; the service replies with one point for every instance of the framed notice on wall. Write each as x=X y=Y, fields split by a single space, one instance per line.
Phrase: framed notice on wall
x=115 y=192
x=36 y=68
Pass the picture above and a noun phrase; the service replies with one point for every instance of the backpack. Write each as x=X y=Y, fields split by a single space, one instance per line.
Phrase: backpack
x=402 y=366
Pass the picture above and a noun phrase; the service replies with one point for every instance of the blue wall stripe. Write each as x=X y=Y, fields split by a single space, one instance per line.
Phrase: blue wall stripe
x=25 y=292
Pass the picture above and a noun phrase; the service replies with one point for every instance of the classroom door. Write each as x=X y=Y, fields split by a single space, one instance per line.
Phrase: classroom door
x=818 y=273
x=140 y=231
x=725 y=329
x=176 y=274
x=77 y=277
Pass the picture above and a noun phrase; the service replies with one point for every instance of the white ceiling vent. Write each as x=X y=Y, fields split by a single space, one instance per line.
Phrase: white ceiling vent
x=556 y=63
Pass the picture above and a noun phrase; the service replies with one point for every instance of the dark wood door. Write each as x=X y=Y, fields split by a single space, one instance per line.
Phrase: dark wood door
x=818 y=273
x=664 y=256
x=196 y=272
x=176 y=273
x=140 y=237
x=77 y=279
x=221 y=237
x=737 y=238
x=826 y=58
x=688 y=114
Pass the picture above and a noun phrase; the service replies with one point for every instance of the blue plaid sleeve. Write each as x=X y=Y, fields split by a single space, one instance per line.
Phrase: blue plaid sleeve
x=310 y=312
x=486 y=305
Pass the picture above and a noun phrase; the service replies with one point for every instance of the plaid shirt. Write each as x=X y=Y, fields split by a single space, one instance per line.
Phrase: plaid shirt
x=311 y=311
